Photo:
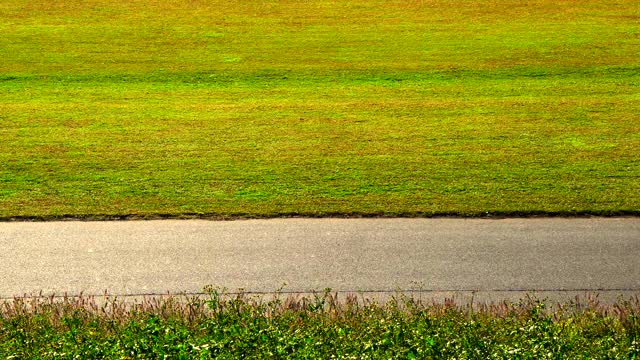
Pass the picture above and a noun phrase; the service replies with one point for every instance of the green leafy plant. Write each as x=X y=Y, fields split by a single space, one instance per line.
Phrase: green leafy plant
x=225 y=325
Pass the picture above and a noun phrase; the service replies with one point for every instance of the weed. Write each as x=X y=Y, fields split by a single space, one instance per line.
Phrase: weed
x=225 y=325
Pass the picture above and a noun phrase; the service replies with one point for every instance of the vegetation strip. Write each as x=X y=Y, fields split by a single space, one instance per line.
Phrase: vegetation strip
x=337 y=292
x=221 y=325
x=112 y=109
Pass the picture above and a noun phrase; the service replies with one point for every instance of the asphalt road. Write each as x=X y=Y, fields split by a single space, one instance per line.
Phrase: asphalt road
x=494 y=259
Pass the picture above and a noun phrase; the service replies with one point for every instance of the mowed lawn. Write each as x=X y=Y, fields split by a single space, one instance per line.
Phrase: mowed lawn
x=274 y=108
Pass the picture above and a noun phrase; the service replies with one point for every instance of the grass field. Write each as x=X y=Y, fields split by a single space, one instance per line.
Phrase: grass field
x=274 y=108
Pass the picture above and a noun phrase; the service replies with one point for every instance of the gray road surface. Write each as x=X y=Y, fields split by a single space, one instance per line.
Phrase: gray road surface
x=440 y=257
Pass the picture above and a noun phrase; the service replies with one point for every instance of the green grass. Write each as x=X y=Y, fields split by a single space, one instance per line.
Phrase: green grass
x=264 y=108
x=223 y=326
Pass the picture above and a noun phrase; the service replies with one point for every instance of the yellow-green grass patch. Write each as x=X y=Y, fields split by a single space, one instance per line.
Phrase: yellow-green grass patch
x=318 y=108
